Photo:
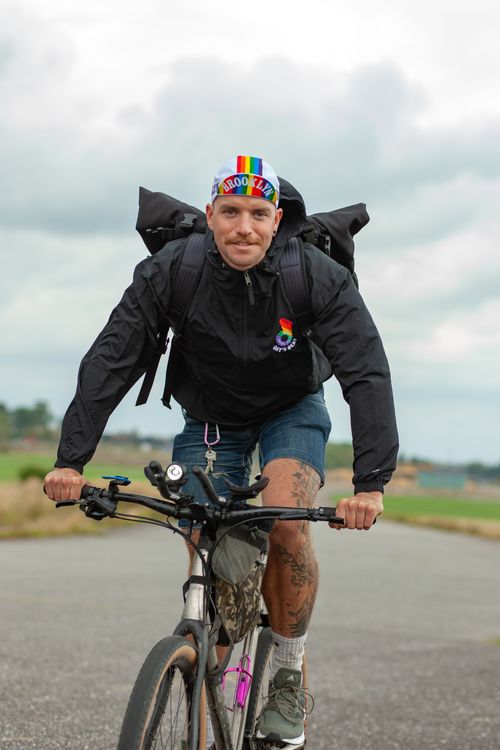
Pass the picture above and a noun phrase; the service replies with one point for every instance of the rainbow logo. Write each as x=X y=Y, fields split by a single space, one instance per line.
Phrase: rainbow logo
x=285 y=339
x=248 y=180
x=248 y=165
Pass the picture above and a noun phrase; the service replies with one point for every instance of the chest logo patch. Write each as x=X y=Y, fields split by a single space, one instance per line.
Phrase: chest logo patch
x=284 y=340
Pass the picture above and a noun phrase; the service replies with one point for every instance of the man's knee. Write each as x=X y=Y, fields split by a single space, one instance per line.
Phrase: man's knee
x=292 y=483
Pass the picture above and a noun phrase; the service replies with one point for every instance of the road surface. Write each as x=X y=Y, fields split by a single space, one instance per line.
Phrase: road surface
x=404 y=650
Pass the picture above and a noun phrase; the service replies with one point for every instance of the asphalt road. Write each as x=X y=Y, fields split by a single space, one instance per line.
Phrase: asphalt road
x=404 y=651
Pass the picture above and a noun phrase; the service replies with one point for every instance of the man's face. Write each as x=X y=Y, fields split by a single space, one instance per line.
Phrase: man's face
x=243 y=228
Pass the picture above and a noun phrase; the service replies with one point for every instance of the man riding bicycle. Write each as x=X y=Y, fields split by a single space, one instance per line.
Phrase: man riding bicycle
x=246 y=378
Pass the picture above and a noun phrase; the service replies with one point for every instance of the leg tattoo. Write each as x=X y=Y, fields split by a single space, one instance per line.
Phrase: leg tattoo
x=303 y=572
x=291 y=578
x=305 y=486
x=299 y=620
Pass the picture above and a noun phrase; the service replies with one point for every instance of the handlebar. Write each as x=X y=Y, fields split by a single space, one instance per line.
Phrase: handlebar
x=99 y=503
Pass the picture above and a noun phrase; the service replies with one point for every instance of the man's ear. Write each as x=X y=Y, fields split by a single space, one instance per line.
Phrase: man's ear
x=209 y=210
x=277 y=218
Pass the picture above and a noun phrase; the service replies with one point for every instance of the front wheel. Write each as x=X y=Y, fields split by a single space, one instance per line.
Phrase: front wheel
x=158 y=715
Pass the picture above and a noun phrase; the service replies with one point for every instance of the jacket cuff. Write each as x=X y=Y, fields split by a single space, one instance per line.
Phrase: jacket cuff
x=62 y=464
x=368 y=487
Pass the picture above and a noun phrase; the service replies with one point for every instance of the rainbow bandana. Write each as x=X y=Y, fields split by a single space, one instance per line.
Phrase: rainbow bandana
x=247 y=175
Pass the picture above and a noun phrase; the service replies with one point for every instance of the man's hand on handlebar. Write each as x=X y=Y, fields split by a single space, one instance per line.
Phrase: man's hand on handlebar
x=64 y=484
x=359 y=511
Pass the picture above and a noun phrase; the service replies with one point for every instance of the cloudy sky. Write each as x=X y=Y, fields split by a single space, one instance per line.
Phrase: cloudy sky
x=395 y=104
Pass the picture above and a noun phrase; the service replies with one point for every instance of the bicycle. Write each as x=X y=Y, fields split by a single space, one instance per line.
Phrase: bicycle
x=182 y=673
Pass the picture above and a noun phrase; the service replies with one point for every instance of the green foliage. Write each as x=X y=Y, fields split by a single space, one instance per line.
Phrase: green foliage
x=5 y=428
x=13 y=461
x=31 y=421
x=339 y=455
x=32 y=470
x=25 y=422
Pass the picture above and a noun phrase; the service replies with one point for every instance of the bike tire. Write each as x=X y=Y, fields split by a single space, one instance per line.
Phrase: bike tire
x=159 y=708
x=260 y=684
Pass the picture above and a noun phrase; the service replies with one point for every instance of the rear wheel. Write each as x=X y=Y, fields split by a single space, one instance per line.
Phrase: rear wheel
x=158 y=715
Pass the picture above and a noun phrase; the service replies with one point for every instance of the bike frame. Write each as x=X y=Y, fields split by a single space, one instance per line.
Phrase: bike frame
x=195 y=622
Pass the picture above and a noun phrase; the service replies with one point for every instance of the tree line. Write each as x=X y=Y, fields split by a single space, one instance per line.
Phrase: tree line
x=26 y=422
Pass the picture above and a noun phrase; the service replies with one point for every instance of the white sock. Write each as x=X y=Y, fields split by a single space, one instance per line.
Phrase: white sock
x=288 y=652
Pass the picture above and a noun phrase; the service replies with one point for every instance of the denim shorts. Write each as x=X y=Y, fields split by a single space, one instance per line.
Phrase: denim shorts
x=299 y=432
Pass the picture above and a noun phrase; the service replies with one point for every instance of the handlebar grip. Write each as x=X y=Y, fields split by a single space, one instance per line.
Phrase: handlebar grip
x=155 y=467
x=85 y=492
x=207 y=485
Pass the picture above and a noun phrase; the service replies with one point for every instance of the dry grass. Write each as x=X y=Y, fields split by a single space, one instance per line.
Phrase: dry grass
x=476 y=527
x=25 y=511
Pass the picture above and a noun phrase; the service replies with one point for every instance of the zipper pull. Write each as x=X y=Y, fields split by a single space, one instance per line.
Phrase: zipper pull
x=248 y=282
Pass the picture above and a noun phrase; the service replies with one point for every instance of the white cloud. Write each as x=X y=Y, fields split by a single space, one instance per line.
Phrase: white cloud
x=368 y=103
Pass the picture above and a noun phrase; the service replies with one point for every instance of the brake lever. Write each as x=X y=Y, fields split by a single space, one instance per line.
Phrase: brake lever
x=326 y=514
x=99 y=507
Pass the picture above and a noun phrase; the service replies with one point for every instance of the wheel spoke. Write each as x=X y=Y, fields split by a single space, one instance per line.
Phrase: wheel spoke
x=168 y=729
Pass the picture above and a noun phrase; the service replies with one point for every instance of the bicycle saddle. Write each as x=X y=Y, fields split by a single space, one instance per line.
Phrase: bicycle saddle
x=251 y=490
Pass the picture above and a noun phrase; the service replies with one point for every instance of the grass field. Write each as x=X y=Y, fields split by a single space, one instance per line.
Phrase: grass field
x=12 y=462
x=450 y=507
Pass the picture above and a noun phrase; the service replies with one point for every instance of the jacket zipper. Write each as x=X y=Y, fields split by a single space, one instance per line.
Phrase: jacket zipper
x=251 y=300
x=248 y=282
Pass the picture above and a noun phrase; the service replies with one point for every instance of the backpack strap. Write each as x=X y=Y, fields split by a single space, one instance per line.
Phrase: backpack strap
x=184 y=285
x=162 y=344
x=294 y=280
x=187 y=278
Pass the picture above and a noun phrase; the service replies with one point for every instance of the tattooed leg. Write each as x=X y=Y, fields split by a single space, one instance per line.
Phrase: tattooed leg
x=291 y=578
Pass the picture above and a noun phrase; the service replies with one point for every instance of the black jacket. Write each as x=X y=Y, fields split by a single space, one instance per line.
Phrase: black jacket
x=232 y=371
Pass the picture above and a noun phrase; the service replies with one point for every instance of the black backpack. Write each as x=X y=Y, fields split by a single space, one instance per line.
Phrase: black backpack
x=162 y=219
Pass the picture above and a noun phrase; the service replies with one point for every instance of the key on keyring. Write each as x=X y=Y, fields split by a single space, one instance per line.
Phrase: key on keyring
x=210 y=455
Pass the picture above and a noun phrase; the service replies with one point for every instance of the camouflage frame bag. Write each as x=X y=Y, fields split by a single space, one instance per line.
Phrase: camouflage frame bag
x=238 y=564
x=239 y=604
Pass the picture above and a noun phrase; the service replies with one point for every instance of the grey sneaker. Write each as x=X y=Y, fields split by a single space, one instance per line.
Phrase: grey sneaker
x=281 y=721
